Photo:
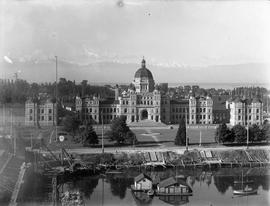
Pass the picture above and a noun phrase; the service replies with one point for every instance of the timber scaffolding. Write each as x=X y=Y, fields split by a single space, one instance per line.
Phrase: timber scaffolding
x=95 y=163
x=192 y=158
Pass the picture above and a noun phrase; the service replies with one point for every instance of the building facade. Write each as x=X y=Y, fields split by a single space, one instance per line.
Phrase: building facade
x=40 y=112
x=144 y=101
x=245 y=111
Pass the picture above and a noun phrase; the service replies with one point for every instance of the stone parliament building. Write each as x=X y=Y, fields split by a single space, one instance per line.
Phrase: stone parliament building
x=144 y=101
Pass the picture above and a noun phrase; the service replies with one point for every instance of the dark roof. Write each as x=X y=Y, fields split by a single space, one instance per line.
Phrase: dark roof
x=182 y=101
x=142 y=176
x=168 y=182
x=172 y=181
x=143 y=72
x=237 y=100
x=247 y=101
x=256 y=100
x=219 y=102
x=109 y=101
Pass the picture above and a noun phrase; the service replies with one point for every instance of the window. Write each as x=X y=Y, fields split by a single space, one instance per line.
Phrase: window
x=125 y=110
x=257 y=110
x=249 y=110
x=249 y=117
x=203 y=116
x=209 y=116
x=239 y=117
x=257 y=117
x=31 y=111
x=42 y=118
x=42 y=111
x=50 y=118
x=239 y=110
x=30 y=118
x=114 y=109
x=192 y=116
x=204 y=109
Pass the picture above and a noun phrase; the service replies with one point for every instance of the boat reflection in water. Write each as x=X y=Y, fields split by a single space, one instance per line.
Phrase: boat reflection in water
x=175 y=200
x=244 y=187
x=141 y=198
x=216 y=186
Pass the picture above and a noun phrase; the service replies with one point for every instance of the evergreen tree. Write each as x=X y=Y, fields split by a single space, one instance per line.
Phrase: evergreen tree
x=180 y=138
x=119 y=130
x=223 y=134
x=255 y=133
x=90 y=136
x=71 y=123
x=240 y=133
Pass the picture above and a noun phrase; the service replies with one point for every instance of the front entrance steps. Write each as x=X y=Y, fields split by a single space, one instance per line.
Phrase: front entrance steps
x=147 y=123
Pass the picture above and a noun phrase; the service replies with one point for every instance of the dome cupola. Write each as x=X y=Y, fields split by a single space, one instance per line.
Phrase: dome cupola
x=143 y=79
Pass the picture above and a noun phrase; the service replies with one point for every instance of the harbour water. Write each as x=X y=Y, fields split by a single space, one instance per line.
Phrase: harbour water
x=210 y=187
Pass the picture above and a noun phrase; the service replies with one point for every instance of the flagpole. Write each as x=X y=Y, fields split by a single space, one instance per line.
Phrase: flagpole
x=56 y=96
x=186 y=133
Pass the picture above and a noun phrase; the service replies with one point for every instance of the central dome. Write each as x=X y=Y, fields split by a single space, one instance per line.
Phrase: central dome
x=143 y=79
x=143 y=72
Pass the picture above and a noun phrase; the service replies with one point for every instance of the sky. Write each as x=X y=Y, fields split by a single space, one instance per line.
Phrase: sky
x=169 y=34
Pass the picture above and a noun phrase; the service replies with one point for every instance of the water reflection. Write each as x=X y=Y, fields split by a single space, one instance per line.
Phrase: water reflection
x=141 y=198
x=215 y=185
x=174 y=200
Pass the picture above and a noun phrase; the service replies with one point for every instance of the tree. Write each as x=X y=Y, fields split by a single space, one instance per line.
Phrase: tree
x=131 y=138
x=119 y=130
x=266 y=130
x=71 y=123
x=255 y=133
x=90 y=136
x=180 y=138
x=240 y=133
x=224 y=134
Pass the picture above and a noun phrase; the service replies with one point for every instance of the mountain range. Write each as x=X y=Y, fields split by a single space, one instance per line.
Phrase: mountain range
x=115 y=72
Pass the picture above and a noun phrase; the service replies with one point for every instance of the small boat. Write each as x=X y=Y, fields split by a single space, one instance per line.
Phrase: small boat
x=244 y=182
x=246 y=191
x=244 y=188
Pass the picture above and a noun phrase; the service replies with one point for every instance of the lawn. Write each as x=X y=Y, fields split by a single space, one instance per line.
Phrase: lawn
x=166 y=136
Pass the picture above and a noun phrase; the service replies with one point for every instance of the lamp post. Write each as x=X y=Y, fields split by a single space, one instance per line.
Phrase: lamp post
x=102 y=133
x=247 y=136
